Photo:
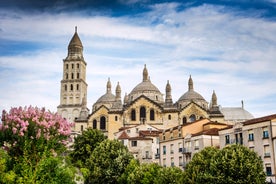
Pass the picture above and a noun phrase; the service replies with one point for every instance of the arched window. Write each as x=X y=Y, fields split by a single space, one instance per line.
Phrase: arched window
x=102 y=123
x=116 y=118
x=192 y=118
x=66 y=75
x=65 y=87
x=133 y=115
x=142 y=114
x=72 y=76
x=78 y=65
x=152 y=115
x=66 y=66
x=72 y=66
x=78 y=75
x=71 y=87
x=184 y=120
x=94 y=124
x=169 y=117
x=77 y=86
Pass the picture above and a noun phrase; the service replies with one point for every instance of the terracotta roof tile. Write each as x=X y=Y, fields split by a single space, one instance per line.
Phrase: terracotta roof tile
x=123 y=136
x=261 y=119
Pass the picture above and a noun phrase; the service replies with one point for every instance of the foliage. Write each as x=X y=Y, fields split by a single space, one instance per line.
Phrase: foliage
x=85 y=144
x=107 y=162
x=170 y=175
x=151 y=173
x=39 y=128
x=232 y=164
x=33 y=140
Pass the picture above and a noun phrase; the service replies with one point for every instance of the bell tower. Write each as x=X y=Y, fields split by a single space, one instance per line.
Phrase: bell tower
x=73 y=86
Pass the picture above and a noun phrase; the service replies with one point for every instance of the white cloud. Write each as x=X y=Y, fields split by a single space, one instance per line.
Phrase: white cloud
x=223 y=51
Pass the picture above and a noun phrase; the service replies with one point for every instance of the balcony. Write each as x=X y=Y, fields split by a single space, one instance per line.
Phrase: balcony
x=147 y=157
x=266 y=154
x=186 y=150
x=157 y=156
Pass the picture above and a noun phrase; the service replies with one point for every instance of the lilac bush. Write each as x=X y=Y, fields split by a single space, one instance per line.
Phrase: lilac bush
x=33 y=127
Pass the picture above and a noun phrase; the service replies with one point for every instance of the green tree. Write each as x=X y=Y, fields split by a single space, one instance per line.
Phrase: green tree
x=198 y=169
x=85 y=144
x=170 y=175
x=232 y=164
x=107 y=162
x=151 y=173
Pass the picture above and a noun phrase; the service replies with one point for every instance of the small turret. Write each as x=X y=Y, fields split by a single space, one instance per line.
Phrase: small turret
x=191 y=84
x=168 y=100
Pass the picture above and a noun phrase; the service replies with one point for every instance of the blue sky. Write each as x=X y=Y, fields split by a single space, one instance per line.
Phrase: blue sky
x=227 y=46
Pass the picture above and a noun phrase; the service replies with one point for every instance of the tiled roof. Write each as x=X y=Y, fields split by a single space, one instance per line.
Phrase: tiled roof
x=261 y=119
x=123 y=136
x=153 y=133
x=212 y=131
x=140 y=138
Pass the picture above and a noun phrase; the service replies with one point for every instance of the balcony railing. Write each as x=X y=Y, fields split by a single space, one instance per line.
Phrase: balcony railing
x=186 y=150
x=266 y=154
x=157 y=156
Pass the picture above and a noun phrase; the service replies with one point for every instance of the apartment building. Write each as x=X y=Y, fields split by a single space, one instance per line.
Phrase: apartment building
x=259 y=135
x=142 y=141
x=180 y=143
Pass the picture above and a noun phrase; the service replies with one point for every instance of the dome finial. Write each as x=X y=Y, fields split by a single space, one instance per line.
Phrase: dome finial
x=191 y=84
x=108 y=86
x=214 y=99
x=145 y=73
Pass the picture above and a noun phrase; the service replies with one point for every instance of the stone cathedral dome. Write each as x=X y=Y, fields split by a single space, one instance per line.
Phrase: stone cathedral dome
x=146 y=88
x=192 y=95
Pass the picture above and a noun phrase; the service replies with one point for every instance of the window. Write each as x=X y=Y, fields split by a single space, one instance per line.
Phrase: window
x=164 y=137
x=128 y=131
x=192 y=118
x=94 y=124
x=180 y=147
x=196 y=144
x=81 y=127
x=133 y=115
x=152 y=115
x=134 y=143
x=172 y=161
x=116 y=118
x=66 y=75
x=179 y=132
x=184 y=120
x=268 y=169
x=180 y=160
x=102 y=123
x=227 y=139
x=171 y=135
x=147 y=155
x=72 y=76
x=266 y=151
x=71 y=87
x=72 y=66
x=169 y=117
x=164 y=162
x=265 y=133
x=250 y=135
x=142 y=114
x=66 y=66
x=171 y=148
x=78 y=65
x=65 y=87
x=164 y=150
x=78 y=75
x=77 y=86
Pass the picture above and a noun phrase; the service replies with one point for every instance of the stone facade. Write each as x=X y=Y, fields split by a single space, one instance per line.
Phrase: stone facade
x=258 y=135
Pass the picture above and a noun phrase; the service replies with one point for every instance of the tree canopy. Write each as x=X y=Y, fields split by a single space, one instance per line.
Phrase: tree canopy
x=232 y=164
x=85 y=144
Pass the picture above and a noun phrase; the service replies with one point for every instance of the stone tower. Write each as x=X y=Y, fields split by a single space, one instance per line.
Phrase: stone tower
x=73 y=86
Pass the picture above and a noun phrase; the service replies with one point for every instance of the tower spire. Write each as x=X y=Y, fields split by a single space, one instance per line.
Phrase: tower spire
x=76 y=29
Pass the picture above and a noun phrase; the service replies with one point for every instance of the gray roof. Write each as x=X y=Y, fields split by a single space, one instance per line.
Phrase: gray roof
x=108 y=97
x=145 y=86
x=191 y=95
x=236 y=114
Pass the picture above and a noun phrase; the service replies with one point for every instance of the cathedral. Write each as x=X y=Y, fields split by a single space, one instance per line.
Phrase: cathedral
x=144 y=105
